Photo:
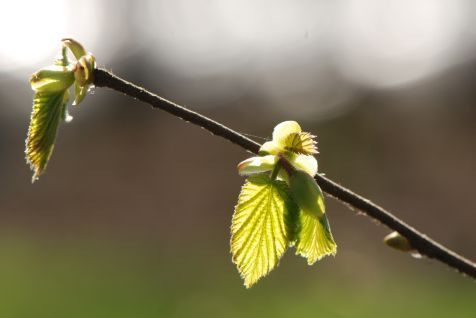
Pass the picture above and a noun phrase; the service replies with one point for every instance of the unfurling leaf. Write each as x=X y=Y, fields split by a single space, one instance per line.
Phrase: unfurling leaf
x=53 y=78
x=302 y=143
x=306 y=193
x=48 y=109
x=315 y=239
x=51 y=85
x=256 y=165
x=281 y=187
x=75 y=47
x=83 y=75
x=262 y=226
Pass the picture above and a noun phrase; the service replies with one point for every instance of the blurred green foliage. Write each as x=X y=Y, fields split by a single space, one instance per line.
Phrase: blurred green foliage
x=48 y=279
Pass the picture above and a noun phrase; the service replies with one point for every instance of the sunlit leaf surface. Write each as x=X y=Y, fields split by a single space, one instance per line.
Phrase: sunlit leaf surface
x=315 y=238
x=48 y=109
x=262 y=227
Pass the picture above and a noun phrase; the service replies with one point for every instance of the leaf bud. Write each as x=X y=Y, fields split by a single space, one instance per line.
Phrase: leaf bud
x=399 y=242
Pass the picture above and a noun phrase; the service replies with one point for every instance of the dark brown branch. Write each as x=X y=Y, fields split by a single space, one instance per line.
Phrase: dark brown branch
x=419 y=241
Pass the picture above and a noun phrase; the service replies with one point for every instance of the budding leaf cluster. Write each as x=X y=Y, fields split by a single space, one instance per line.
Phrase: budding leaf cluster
x=51 y=86
x=280 y=205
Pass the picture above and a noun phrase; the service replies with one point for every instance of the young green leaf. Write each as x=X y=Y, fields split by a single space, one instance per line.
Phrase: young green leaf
x=262 y=226
x=51 y=85
x=53 y=78
x=286 y=163
x=48 y=109
x=305 y=192
x=256 y=165
x=315 y=239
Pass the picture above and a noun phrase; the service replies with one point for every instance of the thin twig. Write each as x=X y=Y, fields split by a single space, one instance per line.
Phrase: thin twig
x=423 y=244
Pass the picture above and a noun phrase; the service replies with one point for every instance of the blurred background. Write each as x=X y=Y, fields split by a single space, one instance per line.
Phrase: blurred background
x=132 y=217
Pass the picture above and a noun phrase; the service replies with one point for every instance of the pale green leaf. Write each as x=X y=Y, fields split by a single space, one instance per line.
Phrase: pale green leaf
x=315 y=239
x=48 y=110
x=255 y=165
x=54 y=78
x=269 y=148
x=282 y=131
x=306 y=193
x=262 y=227
x=306 y=163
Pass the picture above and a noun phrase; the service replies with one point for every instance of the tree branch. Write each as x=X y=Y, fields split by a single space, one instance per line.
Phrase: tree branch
x=423 y=244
